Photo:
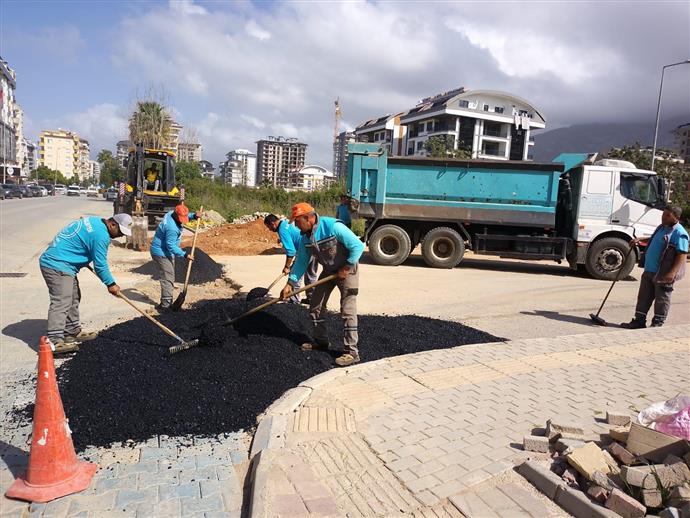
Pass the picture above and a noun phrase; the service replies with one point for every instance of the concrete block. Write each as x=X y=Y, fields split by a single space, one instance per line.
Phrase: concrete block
x=621 y=454
x=535 y=443
x=603 y=480
x=598 y=494
x=588 y=459
x=651 y=497
x=641 y=476
x=679 y=496
x=618 y=418
x=620 y=433
x=577 y=503
x=566 y=446
x=670 y=512
x=653 y=445
x=555 y=428
x=289 y=401
x=324 y=506
x=657 y=475
x=541 y=477
x=625 y=505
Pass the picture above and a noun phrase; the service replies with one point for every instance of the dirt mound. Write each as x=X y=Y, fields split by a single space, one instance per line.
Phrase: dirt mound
x=245 y=239
x=123 y=385
x=204 y=270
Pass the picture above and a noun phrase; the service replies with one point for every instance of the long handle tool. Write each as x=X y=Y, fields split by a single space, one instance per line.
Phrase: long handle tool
x=326 y=279
x=259 y=293
x=177 y=305
x=596 y=318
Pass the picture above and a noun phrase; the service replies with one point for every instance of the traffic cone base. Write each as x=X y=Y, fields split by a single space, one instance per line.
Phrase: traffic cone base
x=23 y=490
x=54 y=469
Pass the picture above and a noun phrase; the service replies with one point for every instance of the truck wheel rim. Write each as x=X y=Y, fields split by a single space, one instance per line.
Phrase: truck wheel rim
x=443 y=248
x=389 y=246
x=610 y=260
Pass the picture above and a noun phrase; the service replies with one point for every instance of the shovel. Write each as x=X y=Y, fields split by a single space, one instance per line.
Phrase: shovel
x=177 y=305
x=259 y=293
x=596 y=318
x=326 y=279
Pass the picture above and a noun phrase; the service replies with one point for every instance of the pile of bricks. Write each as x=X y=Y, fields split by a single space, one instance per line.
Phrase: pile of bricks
x=610 y=476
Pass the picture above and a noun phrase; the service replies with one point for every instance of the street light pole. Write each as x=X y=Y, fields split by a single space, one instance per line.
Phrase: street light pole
x=658 y=105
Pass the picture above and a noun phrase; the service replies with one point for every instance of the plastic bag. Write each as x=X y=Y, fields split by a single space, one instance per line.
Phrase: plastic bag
x=671 y=417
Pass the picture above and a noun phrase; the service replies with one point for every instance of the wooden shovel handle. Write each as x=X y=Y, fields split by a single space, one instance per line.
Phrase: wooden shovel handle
x=329 y=278
x=275 y=282
x=189 y=263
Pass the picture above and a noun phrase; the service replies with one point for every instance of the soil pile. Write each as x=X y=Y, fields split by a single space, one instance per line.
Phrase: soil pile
x=246 y=239
x=123 y=385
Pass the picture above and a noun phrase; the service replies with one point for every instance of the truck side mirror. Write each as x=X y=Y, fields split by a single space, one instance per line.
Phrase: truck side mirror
x=662 y=190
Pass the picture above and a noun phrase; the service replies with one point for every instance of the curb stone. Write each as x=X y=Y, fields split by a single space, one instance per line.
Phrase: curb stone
x=269 y=435
x=288 y=402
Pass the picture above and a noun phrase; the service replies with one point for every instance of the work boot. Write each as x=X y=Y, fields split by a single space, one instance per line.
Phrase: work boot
x=65 y=347
x=635 y=323
x=306 y=301
x=346 y=359
x=314 y=346
x=163 y=307
x=657 y=322
x=81 y=337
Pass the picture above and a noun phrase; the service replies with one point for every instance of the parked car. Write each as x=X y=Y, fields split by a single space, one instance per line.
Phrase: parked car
x=26 y=192
x=50 y=189
x=73 y=190
x=92 y=192
x=60 y=188
x=38 y=190
x=12 y=191
x=111 y=194
x=82 y=190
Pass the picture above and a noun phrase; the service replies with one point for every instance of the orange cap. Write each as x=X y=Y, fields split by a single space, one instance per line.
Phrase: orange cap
x=182 y=213
x=300 y=210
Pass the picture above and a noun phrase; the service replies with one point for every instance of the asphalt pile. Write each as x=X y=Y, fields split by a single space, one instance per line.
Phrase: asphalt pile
x=123 y=385
x=204 y=268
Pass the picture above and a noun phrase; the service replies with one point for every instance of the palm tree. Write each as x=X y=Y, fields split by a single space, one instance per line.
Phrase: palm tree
x=104 y=155
x=150 y=125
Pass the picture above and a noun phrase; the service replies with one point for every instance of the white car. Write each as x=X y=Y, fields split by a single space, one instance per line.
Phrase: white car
x=73 y=190
x=60 y=189
x=92 y=192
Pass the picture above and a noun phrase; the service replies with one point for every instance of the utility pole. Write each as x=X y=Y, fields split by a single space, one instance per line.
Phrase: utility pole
x=658 y=105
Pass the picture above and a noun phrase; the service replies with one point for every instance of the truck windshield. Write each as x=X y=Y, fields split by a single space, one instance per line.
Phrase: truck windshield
x=640 y=188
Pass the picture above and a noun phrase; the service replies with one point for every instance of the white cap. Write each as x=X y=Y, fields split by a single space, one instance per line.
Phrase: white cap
x=125 y=223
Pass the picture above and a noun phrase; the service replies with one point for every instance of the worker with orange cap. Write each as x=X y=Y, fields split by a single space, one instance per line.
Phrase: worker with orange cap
x=338 y=250
x=166 y=246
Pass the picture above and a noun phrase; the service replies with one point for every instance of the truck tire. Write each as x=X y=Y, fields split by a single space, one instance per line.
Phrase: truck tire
x=389 y=245
x=605 y=257
x=443 y=247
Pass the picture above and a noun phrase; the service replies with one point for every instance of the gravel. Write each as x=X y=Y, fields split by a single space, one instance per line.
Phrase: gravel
x=123 y=385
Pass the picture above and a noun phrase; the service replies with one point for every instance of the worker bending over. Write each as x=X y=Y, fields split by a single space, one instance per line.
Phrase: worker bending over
x=338 y=250
x=290 y=238
x=166 y=246
x=83 y=241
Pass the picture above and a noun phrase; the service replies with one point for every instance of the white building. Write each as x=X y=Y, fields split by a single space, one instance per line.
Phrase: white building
x=60 y=150
x=29 y=151
x=340 y=153
x=207 y=170
x=188 y=152
x=84 y=160
x=122 y=150
x=95 y=176
x=239 y=168
x=8 y=131
x=310 y=178
x=487 y=124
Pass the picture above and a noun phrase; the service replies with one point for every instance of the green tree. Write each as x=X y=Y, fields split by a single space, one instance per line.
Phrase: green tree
x=50 y=175
x=111 y=170
x=441 y=146
x=186 y=171
x=104 y=155
x=150 y=125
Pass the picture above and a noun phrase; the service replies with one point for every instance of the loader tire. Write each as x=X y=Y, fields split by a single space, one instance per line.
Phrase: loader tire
x=605 y=257
x=389 y=245
x=443 y=247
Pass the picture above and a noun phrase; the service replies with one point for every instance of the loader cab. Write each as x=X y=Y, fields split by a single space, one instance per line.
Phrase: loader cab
x=151 y=172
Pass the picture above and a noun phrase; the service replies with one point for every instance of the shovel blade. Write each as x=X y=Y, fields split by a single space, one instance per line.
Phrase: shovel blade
x=256 y=293
x=177 y=305
x=598 y=320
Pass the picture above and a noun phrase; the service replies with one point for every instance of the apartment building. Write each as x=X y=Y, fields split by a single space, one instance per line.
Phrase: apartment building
x=310 y=178
x=188 y=152
x=95 y=173
x=340 y=153
x=276 y=157
x=174 y=136
x=84 y=160
x=487 y=124
x=60 y=150
x=29 y=165
x=239 y=168
x=9 y=110
x=207 y=169
x=682 y=134
x=121 y=151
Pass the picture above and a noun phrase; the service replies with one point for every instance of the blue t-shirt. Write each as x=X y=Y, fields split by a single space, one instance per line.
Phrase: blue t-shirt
x=677 y=237
x=342 y=213
x=166 y=240
x=290 y=237
x=81 y=242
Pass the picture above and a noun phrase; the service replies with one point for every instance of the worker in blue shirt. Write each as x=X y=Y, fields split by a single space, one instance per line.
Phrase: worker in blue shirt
x=83 y=241
x=166 y=246
x=338 y=250
x=290 y=237
x=343 y=211
x=664 y=264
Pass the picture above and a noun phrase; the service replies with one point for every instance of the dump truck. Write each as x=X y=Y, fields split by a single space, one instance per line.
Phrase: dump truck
x=575 y=209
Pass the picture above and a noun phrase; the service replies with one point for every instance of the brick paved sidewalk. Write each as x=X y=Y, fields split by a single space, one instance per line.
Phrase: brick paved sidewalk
x=414 y=435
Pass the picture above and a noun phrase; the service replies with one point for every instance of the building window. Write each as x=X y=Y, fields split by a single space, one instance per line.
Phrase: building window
x=420 y=145
x=486 y=107
x=464 y=104
x=498 y=109
x=491 y=148
x=430 y=126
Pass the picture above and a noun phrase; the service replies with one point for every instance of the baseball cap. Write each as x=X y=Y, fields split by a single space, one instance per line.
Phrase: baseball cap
x=182 y=213
x=124 y=221
x=300 y=210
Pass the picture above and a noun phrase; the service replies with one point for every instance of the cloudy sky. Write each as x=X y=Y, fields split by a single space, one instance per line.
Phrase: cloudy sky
x=238 y=71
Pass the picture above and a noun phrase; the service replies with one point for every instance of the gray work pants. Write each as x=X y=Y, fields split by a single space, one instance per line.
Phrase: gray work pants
x=349 y=289
x=63 y=313
x=166 y=276
x=659 y=294
x=309 y=278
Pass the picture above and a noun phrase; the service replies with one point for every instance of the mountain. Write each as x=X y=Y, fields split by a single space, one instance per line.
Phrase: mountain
x=588 y=138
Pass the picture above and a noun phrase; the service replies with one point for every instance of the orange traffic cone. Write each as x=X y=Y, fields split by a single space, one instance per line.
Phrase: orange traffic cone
x=54 y=469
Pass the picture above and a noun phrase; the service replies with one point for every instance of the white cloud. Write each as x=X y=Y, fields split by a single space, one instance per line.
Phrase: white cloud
x=186 y=7
x=257 y=123
x=254 y=30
